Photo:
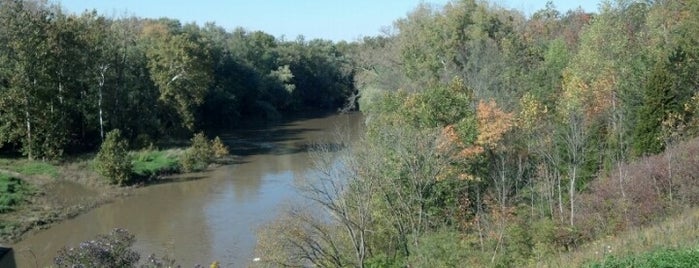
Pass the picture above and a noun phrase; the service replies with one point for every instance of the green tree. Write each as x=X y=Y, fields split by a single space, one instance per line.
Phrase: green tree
x=180 y=66
x=112 y=161
x=24 y=48
x=199 y=154
x=657 y=100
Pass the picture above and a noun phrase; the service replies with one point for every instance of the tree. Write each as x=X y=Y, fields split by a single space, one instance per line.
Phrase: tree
x=180 y=65
x=24 y=99
x=112 y=161
x=199 y=154
x=340 y=186
x=656 y=101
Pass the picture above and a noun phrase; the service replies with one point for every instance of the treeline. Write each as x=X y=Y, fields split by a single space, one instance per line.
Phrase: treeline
x=499 y=139
x=67 y=79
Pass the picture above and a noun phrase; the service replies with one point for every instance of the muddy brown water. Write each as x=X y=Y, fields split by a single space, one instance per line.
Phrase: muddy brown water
x=208 y=216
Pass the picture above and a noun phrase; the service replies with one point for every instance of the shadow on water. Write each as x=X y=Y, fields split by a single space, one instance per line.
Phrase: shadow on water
x=277 y=137
x=176 y=178
x=265 y=140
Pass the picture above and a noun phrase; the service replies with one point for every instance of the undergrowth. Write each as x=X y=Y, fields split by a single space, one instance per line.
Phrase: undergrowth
x=29 y=167
x=149 y=163
x=13 y=192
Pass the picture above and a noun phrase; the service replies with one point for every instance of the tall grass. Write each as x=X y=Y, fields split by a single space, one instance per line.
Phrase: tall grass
x=29 y=167
x=676 y=258
x=676 y=235
x=149 y=163
x=13 y=192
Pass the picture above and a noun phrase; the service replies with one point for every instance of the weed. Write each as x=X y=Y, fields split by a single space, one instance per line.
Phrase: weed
x=29 y=167
x=13 y=192
x=148 y=163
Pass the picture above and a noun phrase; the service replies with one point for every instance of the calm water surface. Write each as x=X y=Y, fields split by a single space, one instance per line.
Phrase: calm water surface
x=209 y=216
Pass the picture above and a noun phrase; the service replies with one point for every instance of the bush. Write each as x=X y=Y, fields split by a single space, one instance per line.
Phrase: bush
x=198 y=155
x=113 y=161
x=440 y=249
x=219 y=149
x=652 y=186
x=112 y=250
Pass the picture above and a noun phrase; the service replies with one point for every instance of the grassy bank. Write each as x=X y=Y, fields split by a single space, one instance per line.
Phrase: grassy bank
x=29 y=167
x=33 y=193
x=678 y=258
x=674 y=241
x=36 y=194
x=148 y=164
x=13 y=192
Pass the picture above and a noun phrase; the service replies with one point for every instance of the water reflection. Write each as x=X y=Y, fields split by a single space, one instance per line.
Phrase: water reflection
x=212 y=218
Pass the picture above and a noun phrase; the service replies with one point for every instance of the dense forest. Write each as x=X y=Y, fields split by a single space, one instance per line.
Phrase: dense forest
x=499 y=139
x=66 y=80
x=493 y=138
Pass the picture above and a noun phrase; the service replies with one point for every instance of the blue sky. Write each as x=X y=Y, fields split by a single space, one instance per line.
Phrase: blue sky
x=328 y=19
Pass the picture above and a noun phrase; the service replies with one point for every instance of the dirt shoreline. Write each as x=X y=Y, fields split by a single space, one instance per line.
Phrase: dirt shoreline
x=76 y=190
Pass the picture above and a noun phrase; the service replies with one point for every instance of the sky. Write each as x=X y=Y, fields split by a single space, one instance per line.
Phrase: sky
x=335 y=20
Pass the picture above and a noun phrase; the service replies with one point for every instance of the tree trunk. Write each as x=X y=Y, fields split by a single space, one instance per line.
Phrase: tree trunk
x=572 y=195
x=560 y=195
x=27 y=118
x=30 y=154
x=103 y=69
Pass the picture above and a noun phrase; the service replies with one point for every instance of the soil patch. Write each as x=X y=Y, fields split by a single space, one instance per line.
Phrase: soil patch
x=74 y=190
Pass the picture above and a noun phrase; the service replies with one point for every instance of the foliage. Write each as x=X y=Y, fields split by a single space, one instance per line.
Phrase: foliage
x=521 y=135
x=148 y=163
x=657 y=98
x=13 y=192
x=674 y=232
x=657 y=258
x=482 y=123
x=30 y=167
x=180 y=66
x=219 y=149
x=440 y=249
x=111 y=250
x=199 y=154
x=66 y=78
x=639 y=193
x=112 y=161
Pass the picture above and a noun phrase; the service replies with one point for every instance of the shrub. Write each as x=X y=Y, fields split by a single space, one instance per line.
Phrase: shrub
x=219 y=149
x=638 y=193
x=440 y=249
x=198 y=155
x=112 y=250
x=113 y=161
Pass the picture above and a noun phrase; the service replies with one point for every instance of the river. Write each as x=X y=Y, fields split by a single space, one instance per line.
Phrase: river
x=208 y=216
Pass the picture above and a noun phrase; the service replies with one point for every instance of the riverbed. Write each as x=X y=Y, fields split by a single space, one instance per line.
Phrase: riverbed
x=209 y=216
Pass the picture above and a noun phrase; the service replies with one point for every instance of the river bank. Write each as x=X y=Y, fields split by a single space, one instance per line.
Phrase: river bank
x=197 y=218
x=55 y=192
x=68 y=190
